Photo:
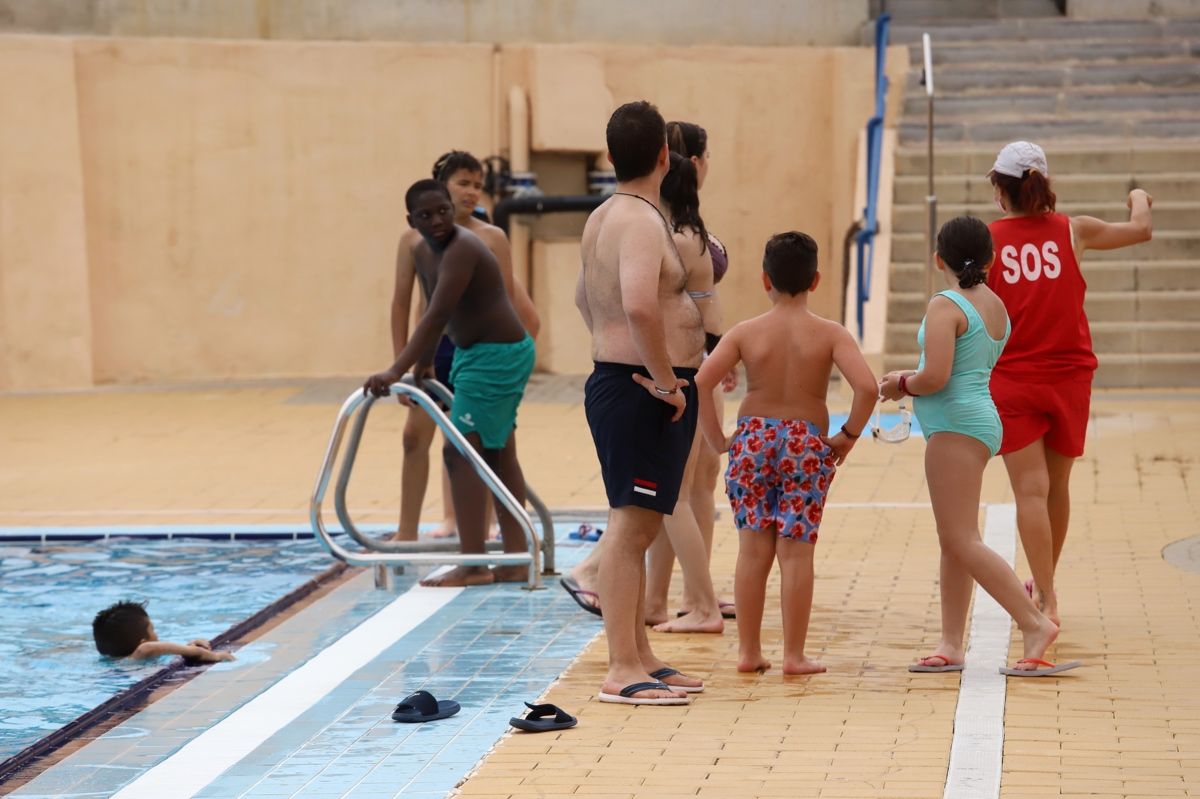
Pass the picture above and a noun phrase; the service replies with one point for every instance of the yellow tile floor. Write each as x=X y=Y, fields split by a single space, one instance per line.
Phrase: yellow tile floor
x=1128 y=725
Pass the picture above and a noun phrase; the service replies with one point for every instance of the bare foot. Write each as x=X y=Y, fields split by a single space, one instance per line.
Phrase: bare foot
x=494 y=533
x=1035 y=642
x=694 y=622
x=654 y=619
x=510 y=574
x=1048 y=604
x=803 y=666
x=614 y=683
x=447 y=529
x=748 y=663
x=460 y=576
x=678 y=680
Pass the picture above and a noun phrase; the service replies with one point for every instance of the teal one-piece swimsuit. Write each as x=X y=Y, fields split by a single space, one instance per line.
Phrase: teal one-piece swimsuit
x=964 y=405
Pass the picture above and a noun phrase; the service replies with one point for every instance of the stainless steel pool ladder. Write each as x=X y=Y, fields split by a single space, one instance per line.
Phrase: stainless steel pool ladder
x=387 y=554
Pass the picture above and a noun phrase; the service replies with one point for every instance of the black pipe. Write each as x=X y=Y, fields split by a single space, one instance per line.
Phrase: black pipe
x=543 y=205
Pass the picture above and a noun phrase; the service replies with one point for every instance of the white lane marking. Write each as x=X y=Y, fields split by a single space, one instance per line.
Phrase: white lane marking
x=978 y=748
x=204 y=758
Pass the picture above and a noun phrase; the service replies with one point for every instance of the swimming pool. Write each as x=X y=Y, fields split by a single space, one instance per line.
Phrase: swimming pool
x=49 y=593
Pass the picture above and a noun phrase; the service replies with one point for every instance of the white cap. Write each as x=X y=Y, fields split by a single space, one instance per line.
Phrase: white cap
x=1019 y=157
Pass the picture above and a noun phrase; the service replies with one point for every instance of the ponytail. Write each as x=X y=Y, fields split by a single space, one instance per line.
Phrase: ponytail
x=683 y=199
x=965 y=245
x=1028 y=194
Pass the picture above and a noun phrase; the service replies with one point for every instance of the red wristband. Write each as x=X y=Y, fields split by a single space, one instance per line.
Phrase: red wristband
x=904 y=386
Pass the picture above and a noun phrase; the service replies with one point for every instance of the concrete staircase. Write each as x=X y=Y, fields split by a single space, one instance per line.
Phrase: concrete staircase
x=1116 y=106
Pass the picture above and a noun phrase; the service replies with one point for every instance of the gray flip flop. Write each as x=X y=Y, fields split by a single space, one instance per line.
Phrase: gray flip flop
x=917 y=668
x=1051 y=668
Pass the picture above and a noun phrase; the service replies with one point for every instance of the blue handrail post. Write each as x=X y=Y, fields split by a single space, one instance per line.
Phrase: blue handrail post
x=865 y=238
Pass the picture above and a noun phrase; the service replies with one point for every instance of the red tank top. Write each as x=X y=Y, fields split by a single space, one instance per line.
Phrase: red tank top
x=1036 y=275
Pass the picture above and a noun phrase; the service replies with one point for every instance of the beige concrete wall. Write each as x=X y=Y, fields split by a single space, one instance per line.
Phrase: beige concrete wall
x=45 y=325
x=789 y=23
x=1133 y=9
x=197 y=210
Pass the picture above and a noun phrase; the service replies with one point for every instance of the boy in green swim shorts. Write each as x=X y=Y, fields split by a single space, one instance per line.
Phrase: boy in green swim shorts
x=467 y=298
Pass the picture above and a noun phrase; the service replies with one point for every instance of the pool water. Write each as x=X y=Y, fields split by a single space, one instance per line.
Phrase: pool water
x=49 y=594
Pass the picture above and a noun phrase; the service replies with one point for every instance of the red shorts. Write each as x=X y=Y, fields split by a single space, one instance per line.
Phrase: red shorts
x=1057 y=412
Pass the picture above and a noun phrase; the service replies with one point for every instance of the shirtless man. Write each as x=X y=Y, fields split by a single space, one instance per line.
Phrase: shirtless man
x=467 y=298
x=647 y=341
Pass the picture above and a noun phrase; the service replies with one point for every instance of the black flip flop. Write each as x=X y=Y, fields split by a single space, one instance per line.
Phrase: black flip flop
x=536 y=719
x=575 y=590
x=422 y=706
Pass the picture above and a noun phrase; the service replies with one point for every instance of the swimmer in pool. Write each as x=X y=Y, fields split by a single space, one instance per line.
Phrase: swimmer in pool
x=124 y=630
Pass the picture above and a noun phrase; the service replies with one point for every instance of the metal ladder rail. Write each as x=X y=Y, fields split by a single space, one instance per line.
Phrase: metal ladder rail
x=444 y=395
x=352 y=404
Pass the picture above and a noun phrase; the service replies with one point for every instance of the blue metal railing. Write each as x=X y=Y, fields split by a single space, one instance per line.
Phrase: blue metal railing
x=865 y=238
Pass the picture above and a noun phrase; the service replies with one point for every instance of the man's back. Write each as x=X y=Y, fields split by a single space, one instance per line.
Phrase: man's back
x=623 y=228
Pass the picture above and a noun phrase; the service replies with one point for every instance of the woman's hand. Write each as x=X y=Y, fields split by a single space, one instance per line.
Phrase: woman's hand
x=889 y=386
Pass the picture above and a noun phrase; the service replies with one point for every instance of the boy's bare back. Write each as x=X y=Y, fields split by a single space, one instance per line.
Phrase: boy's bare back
x=789 y=353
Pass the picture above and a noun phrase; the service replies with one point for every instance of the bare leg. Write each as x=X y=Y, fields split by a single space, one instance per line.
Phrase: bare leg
x=756 y=556
x=704 y=616
x=449 y=526
x=508 y=469
x=704 y=485
x=660 y=561
x=1058 y=501
x=621 y=587
x=1030 y=480
x=796 y=573
x=470 y=503
x=954 y=466
x=414 y=471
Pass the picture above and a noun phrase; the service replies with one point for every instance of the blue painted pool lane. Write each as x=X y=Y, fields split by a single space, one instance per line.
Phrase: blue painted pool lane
x=490 y=648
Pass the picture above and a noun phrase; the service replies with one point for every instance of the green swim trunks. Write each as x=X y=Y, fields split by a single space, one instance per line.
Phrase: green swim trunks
x=489 y=380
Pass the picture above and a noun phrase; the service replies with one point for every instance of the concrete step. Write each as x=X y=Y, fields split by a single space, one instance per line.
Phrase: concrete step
x=1100 y=275
x=1118 y=338
x=1072 y=188
x=966 y=79
x=1169 y=244
x=1006 y=54
x=907 y=10
x=910 y=217
x=1117 y=370
x=1101 y=306
x=1056 y=102
x=1044 y=128
x=1063 y=157
x=1045 y=31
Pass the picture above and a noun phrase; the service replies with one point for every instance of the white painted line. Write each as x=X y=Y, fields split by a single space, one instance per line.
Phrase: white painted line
x=203 y=759
x=978 y=747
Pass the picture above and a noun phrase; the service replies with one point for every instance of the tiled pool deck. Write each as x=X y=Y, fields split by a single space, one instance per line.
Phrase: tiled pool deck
x=1127 y=725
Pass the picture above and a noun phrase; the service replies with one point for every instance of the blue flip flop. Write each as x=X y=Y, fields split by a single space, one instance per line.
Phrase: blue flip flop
x=422 y=706
x=585 y=532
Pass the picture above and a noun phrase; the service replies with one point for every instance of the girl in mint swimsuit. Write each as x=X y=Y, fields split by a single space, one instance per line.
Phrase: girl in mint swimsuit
x=961 y=338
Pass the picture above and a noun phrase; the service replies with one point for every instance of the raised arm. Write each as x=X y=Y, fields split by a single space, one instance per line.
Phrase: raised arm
x=454 y=274
x=1096 y=234
x=718 y=364
x=193 y=651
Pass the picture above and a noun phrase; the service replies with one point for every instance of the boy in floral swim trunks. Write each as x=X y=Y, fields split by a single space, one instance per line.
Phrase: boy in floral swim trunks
x=781 y=459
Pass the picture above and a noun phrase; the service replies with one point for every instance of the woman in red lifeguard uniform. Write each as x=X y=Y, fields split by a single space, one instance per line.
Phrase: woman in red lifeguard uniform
x=1042 y=384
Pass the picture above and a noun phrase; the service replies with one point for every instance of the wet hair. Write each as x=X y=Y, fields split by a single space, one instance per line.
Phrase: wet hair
x=680 y=191
x=420 y=187
x=453 y=161
x=687 y=138
x=635 y=135
x=965 y=245
x=1028 y=194
x=120 y=628
x=790 y=260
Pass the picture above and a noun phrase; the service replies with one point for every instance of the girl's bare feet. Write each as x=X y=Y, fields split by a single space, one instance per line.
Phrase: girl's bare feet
x=447 y=529
x=1034 y=643
x=803 y=666
x=694 y=622
x=748 y=663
